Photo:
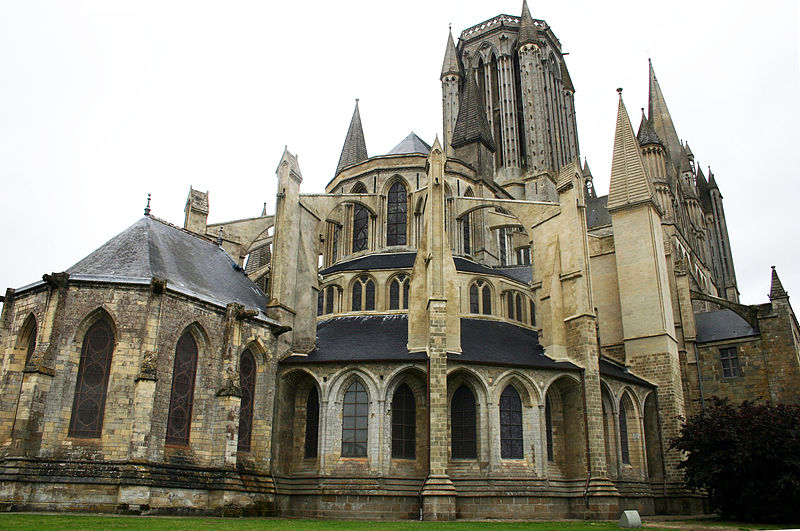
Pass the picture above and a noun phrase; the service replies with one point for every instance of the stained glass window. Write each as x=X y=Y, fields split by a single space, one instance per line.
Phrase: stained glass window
x=357 y=296
x=473 y=299
x=179 y=420
x=247 y=381
x=89 y=403
x=463 y=429
x=404 y=423
x=487 y=300
x=623 y=433
x=312 y=423
x=329 y=296
x=369 y=296
x=354 y=421
x=396 y=215
x=360 y=227
x=510 y=424
x=31 y=340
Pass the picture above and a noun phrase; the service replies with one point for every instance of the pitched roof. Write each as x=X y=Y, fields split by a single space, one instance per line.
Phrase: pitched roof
x=614 y=370
x=661 y=120
x=597 y=214
x=190 y=264
x=411 y=144
x=354 y=149
x=720 y=325
x=471 y=125
x=776 y=290
x=629 y=182
x=450 y=64
x=527 y=30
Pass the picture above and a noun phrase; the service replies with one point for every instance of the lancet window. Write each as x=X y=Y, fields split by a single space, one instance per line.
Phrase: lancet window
x=398 y=292
x=480 y=298
x=181 y=400
x=312 y=423
x=354 y=421
x=88 y=406
x=363 y=294
x=247 y=381
x=463 y=425
x=396 y=215
x=404 y=423
x=510 y=424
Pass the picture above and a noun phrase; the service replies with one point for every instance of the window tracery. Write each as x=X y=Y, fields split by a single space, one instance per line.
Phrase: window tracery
x=89 y=404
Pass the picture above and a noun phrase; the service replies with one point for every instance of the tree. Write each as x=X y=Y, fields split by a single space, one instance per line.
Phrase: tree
x=746 y=457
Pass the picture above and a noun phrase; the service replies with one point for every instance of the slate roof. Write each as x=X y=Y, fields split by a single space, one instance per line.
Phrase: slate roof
x=647 y=135
x=618 y=372
x=191 y=264
x=471 y=125
x=384 y=338
x=354 y=149
x=597 y=214
x=406 y=261
x=720 y=325
x=411 y=144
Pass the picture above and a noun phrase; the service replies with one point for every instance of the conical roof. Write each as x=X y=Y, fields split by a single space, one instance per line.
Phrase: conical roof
x=191 y=264
x=629 y=182
x=776 y=290
x=471 y=124
x=411 y=144
x=354 y=149
x=587 y=172
x=647 y=134
x=528 y=34
x=661 y=121
x=450 y=64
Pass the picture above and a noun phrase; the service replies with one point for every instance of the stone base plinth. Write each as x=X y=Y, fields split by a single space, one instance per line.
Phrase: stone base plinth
x=438 y=499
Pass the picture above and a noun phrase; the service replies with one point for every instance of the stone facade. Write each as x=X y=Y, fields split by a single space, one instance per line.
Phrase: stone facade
x=462 y=330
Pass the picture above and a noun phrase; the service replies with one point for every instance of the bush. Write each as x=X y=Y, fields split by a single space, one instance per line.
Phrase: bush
x=747 y=458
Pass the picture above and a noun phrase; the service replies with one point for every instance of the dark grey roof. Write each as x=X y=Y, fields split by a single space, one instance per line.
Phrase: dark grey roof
x=720 y=325
x=647 y=135
x=704 y=191
x=411 y=144
x=361 y=338
x=499 y=343
x=385 y=338
x=406 y=261
x=618 y=372
x=354 y=149
x=190 y=264
x=471 y=125
x=597 y=214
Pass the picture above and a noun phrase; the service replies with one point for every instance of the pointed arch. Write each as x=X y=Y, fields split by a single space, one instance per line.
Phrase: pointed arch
x=463 y=424
x=355 y=418
x=398 y=291
x=311 y=437
x=27 y=337
x=404 y=423
x=184 y=372
x=510 y=424
x=247 y=382
x=480 y=297
x=362 y=294
x=94 y=368
x=397 y=214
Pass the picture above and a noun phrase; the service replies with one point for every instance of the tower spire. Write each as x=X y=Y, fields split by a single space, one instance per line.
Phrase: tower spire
x=471 y=124
x=354 y=149
x=661 y=120
x=776 y=290
x=528 y=34
x=629 y=182
x=450 y=64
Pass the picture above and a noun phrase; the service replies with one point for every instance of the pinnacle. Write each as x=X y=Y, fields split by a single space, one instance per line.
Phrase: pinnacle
x=661 y=120
x=471 y=124
x=776 y=290
x=528 y=33
x=450 y=65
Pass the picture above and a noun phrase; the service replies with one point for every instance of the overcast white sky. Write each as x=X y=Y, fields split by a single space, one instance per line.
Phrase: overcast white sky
x=103 y=102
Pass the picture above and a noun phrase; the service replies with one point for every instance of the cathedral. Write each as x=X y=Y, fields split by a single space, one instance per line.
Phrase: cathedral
x=462 y=329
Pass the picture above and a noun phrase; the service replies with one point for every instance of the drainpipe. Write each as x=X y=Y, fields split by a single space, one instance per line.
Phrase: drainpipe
x=699 y=378
x=586 y=441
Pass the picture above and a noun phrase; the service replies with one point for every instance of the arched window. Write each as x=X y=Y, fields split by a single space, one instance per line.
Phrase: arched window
x=320 y=302
x=181 y=398
x=518 y=299
x=29 y=337
x=480 y=298
x=510 y=424
x=404 y=423
x=533 y=313
x=501 y=235
x=548 y=427
x=360 y=227
x=398 y=292
x=312 y=423
x=363 y=294
x=330 y=295
x=510 y=301
x=463 y=425
x=89 y=403
x=623 y=433
x=337 y=230
x=354 y=421
x=247 y=381
x=466 y=226
x=396 y=215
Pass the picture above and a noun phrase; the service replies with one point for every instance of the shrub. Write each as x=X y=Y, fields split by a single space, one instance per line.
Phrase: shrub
x=746 y=457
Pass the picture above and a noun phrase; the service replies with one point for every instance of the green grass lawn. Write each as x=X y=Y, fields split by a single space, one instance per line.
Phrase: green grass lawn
x=40 y=522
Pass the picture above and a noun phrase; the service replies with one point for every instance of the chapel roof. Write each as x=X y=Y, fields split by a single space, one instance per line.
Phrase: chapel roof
x=190 y=263
x=411 y=144
x=721 y=324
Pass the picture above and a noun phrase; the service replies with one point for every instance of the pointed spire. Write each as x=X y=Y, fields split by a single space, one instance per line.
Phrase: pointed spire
x=688 y=151
x=776 y=290
x=528 y=34
x=712 y=183
x=450 y=65
x=661 y=121
x=587 y=172
x=629 y=182
x=471 y=124
x=646 y=133
x=703 y=191
x=354 y=149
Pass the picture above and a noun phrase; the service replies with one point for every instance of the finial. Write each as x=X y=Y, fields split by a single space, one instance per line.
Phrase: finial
x=219 y=237
x=450 y=26
x=773 y=267
x=356 y=101
x=147 y=208
x=649 y=61
x=619 y=91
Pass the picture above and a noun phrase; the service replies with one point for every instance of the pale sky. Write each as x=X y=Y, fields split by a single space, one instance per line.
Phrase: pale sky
x=103 y=102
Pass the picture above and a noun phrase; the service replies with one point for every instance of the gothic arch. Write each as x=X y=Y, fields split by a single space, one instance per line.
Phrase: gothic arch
x=26 y=338
x=525 y=387
x=91 y=318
